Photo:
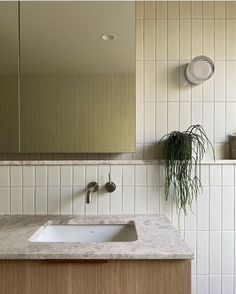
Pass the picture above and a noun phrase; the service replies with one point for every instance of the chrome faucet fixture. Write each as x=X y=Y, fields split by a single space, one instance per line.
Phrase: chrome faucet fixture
x=110 y=186
x=91 y=187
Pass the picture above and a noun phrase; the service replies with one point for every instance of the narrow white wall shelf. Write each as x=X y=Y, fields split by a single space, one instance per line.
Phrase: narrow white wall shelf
x=104 y=162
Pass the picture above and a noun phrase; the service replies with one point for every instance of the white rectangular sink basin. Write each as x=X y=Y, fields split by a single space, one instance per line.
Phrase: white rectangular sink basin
x=85 y=233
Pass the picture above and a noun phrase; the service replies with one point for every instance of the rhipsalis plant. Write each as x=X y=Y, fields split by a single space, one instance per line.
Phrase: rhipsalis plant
x=183 y=152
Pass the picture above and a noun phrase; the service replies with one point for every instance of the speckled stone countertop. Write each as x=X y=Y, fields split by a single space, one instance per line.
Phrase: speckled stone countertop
x=157 y=239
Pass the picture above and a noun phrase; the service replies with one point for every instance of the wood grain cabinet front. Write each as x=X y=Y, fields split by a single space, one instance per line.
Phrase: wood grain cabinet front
x=95 y=277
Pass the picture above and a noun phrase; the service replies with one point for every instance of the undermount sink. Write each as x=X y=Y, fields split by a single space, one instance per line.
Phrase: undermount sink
x=85 y=233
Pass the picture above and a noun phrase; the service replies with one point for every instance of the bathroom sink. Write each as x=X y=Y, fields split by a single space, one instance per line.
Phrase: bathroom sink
x=85 y=233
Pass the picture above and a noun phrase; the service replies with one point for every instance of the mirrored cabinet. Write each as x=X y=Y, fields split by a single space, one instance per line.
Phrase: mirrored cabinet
x=9 y=119
x=76 y=77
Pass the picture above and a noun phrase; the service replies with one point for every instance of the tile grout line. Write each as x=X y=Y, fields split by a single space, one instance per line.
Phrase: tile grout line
x=122 y=193
x=167 y=63
x=47 y=177
x=197 y=234
x=34 y=171
x=144 y=78
x=179 y=120
x=221 y=233
x=135 y=189
x=97 y=193
x=122 y=175
x=22 y=189
x=214 y=101
x=46 y=189
x=10 y=189
x=159 y=189
x=191 y=90
x=225 y=76
x=209 y=234
x=84 y=184
x=97 y=177
x=234 y=233
x=202 y=53
x=179 y=66
x=187 y=60
x=155 y=73
x=214 y=135
x=110 y=194
x=72 y=190
x=147 y=191
x=60 y=190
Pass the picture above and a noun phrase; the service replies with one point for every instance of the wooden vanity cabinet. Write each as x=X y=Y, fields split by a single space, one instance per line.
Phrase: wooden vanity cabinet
x=95 y=277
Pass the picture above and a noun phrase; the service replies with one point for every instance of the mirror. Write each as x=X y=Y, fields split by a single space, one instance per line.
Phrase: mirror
x=8 y=77
x=77 y=77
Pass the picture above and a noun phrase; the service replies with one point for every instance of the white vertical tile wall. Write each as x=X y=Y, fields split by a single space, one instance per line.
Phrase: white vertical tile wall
x=170 y=36
x=209 y=229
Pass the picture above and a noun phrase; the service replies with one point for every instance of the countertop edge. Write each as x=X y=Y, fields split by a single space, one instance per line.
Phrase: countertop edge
x=102 y=162
x=96 y=257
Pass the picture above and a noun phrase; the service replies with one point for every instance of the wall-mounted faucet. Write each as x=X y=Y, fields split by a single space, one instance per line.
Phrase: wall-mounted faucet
x=91 y=187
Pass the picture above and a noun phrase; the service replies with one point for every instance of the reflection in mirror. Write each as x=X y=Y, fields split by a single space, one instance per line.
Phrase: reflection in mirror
x=77 y=76
x=8 y=77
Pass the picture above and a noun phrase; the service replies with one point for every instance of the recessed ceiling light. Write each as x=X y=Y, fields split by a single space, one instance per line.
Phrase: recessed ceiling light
x=108 y=37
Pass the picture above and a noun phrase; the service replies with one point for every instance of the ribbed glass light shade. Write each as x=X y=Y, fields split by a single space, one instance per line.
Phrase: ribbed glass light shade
x=200 y=69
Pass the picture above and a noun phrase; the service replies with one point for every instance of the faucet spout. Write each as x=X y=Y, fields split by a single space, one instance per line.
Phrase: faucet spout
x=91 y=188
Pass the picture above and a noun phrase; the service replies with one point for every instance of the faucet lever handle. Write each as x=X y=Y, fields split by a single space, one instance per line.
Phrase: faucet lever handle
x=110 y=186
x=109 y=176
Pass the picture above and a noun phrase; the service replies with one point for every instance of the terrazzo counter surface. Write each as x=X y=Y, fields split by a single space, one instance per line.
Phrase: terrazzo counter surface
x=157 y=239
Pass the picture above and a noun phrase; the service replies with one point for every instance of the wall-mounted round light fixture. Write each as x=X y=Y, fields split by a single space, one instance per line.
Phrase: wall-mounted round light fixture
x=200 y=69
x=108 y=37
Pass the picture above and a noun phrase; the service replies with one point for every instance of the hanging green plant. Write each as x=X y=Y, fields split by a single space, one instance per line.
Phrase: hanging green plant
x=183 y=152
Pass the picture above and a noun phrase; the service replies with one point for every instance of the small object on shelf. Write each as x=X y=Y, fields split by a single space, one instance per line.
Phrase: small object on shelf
x=232 y=144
